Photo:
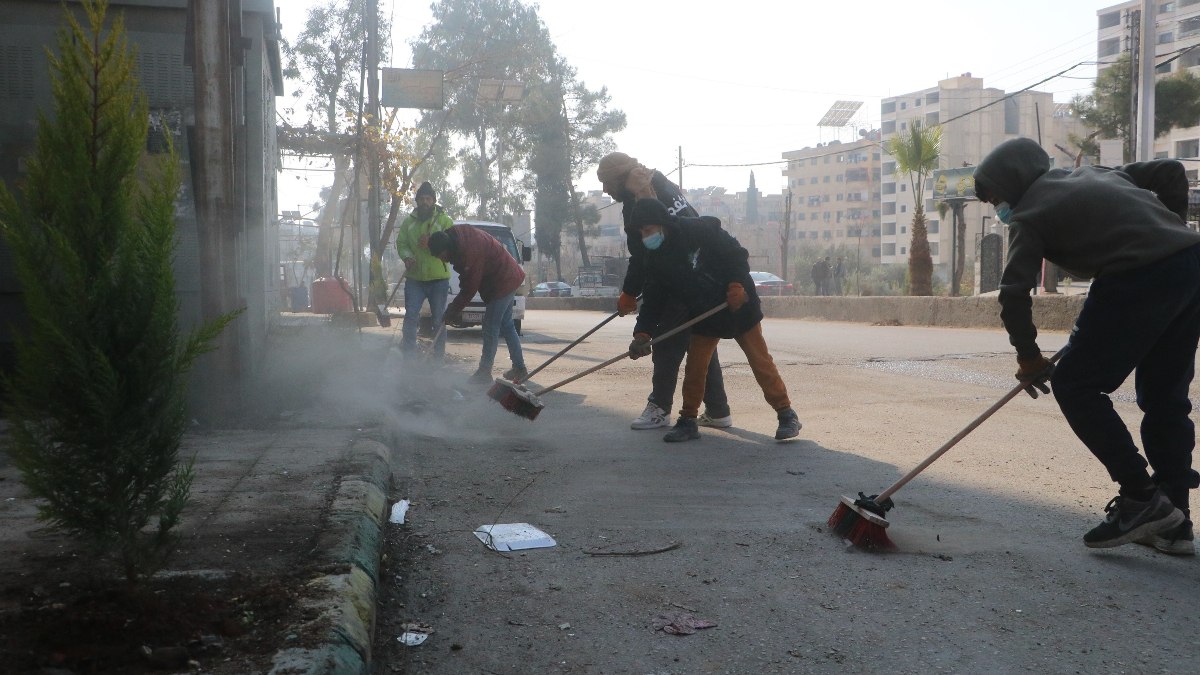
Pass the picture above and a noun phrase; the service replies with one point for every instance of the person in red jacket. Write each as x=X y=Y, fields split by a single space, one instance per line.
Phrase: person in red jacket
x=484 y=266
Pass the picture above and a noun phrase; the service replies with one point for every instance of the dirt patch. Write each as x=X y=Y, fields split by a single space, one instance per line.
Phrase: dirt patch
x=78 y=624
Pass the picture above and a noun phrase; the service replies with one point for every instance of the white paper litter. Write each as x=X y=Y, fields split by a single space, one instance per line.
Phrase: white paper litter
x=398 y=510
x=513 y=537
x=411 y=639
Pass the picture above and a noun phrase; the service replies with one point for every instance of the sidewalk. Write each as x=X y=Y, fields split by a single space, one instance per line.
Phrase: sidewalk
x=299 y=498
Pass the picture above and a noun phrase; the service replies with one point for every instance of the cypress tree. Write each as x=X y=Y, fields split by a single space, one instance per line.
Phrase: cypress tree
x=97 y=401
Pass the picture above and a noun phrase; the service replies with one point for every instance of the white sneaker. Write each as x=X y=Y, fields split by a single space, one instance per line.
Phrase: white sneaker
x=652 y=417
x=705 y=420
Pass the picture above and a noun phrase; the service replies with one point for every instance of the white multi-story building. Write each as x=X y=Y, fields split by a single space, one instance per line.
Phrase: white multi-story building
x=1176 y=28
x=974 y=120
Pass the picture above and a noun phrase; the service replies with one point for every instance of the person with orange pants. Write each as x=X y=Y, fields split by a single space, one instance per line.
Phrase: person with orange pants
x=695 y=262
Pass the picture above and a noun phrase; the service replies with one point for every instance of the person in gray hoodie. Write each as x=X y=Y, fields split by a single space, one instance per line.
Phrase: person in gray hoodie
x=1141 y=316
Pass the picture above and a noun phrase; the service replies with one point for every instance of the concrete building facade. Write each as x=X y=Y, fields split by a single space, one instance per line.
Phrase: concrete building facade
x=974 y=119
x=158 y=30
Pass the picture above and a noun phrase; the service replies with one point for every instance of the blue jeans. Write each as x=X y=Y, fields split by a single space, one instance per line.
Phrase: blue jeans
x=1144 y=321
x=497 y=322
x=415 y=294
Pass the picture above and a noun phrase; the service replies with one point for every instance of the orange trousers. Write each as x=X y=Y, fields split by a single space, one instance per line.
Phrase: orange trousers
x=700 y=351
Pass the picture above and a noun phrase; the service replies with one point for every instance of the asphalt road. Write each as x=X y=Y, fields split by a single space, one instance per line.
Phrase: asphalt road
x=991 y=576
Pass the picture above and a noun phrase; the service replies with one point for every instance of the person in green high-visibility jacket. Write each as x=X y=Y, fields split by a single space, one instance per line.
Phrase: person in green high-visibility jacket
x=425 y=276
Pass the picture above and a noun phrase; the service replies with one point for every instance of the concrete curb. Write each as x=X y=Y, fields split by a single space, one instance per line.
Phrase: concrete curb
x=1050 y=312
x=347 y=553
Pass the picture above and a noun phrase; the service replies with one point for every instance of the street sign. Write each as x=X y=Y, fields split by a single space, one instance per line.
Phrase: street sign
x=411 y=88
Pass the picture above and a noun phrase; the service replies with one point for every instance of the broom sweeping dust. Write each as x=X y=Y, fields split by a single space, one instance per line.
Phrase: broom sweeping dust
x=863 y=521
x=520 y=401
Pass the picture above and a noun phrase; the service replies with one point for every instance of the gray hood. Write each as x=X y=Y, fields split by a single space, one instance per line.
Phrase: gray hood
x=1010 y=168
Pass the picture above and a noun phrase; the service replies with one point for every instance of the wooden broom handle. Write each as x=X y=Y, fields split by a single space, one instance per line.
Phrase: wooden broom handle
x=683 y=326
x=958 y=437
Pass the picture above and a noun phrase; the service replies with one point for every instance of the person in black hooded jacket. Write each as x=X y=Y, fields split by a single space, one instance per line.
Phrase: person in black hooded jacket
x=694 y=262
x=1124 y=229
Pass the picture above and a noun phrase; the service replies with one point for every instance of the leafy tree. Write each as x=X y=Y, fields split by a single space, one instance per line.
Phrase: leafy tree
x=1107 y=108
x=917 y=152
x=98 y=397
x=473 y=40
x=327 y=61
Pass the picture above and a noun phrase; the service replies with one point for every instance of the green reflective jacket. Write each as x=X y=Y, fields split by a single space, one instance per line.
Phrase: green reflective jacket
x=411 y=238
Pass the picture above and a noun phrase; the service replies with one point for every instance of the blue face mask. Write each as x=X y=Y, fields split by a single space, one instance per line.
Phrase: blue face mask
x=653 y=241
x=1003 y=212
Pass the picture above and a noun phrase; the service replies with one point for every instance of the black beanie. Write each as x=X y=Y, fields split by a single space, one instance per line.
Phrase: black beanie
x=426 y=189
x=438 y=242
x=649 y=211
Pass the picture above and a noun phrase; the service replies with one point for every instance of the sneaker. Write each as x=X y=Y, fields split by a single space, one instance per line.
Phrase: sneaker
x=481 y=377
x=1178 y=540
x=789 y=425
x=706 y=420
x=1129 y=520
x=685 y=430
x=652 y=417
x=516 y=374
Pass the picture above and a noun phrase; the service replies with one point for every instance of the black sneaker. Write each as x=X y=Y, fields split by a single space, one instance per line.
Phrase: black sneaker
x=789 y=425
x=516 y=374
x=1129 y=520
x=685 y=430
x=1178 y=540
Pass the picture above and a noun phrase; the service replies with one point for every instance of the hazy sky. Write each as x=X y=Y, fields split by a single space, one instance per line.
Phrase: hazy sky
x=747 y=83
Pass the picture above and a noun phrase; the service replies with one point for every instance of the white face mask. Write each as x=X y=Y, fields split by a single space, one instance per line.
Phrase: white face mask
x=1003 y=212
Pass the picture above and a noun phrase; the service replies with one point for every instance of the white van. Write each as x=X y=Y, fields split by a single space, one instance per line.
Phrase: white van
x=473 y=313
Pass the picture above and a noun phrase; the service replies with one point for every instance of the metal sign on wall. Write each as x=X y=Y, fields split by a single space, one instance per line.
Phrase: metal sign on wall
x=411 y=88
x=954 y=183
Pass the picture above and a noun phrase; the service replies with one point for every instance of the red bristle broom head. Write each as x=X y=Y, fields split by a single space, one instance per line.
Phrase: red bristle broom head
x=515 y=399
x=861 y=522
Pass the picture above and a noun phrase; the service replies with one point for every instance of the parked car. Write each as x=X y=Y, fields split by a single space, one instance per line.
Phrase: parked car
x=551 y=289
x=766 y=283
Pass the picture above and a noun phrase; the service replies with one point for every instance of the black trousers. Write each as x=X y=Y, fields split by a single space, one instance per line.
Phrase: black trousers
x=668 y=357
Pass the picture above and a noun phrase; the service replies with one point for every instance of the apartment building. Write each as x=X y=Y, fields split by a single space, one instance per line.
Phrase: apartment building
x=1176 y=28
x=969 y=131
x=835 y=190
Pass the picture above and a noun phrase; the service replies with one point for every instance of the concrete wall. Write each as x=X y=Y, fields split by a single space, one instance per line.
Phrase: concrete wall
x=1050 y=312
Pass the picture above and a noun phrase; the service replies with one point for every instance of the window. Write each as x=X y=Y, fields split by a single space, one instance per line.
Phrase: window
x=1163 y=69
x=800 y=216
x=812 y=181
x=903 y=105
x=887 y=107
x=933 y=248
x=1160 y=155
x=903 y=229
x=904 y=208
x=934 y=97
x=889 y=168
x=875 y=252
x=1187 y=3
x=903 y=250
x=1190 y=59
x=889 y=229
x=917 y=103
x=931 y=119
x=889 y=188
x=813 y=162
x=932 y=226
x=840 y=178
x=1112 y=46
x=903 y=187
x=889 y=208
x=1114 y=18
x=1189 y=26
x=826 y=180
x=1166 y=7
x=839 y=217
x=1188 y=148
x=1166 y=38
x=903 y=126
x=839 y=197
x=889 y=126
x=889 y=249
x=827 y=235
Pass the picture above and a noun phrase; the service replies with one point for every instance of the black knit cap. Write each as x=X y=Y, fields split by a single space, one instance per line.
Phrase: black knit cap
x=649 y=211
x=426 y=189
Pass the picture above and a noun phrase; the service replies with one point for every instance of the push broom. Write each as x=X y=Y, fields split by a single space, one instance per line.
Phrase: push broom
x=520 y=401
x=863 y=521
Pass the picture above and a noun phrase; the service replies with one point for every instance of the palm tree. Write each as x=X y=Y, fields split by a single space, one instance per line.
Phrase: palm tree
x=916 y=153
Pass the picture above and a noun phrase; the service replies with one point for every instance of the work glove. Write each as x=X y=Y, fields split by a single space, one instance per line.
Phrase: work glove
x=626 y=304
x=638 y=182
x=1034 y=373
x=640 y=346
x=453 y=317
x=736 y=296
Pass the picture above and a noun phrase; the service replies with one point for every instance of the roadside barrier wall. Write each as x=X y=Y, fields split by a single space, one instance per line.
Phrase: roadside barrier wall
x=1050 y=312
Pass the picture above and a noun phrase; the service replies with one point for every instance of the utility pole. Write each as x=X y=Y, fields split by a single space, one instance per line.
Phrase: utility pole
x=681 y=168
x=372 y=23
x=1133 y=19
x=1145 y=119
x=211 y=62
x=785 y=236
